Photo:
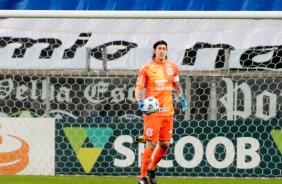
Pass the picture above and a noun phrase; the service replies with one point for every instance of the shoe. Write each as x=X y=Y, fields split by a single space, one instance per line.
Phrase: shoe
x=152 y=176
x=143 y=180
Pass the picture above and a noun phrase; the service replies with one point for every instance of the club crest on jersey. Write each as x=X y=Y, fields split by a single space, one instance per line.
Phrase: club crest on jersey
x=149 y=132
x=169 y=71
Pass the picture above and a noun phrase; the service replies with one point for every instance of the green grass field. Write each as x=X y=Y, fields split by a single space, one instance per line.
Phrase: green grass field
x=128 y=180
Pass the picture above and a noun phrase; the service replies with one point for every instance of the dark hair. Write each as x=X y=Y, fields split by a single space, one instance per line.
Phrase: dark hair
x=161 y=42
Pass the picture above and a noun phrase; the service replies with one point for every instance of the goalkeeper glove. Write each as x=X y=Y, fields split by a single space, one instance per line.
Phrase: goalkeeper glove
x=183 y=103
x=140 y=105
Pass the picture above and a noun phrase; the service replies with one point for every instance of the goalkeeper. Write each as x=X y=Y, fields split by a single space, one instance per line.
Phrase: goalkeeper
x=160 y=77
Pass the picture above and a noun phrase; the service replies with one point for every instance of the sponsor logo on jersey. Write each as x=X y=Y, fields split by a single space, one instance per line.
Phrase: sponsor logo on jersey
x=160 y=85
x=168 y=64
x=164 y=88
x=153 y=66
x=161 y=81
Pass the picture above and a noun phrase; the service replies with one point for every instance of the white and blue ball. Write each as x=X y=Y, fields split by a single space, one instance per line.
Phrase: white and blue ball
x=151 y=104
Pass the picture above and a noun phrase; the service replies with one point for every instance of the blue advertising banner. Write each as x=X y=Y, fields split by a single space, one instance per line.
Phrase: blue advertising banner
x=169 y=5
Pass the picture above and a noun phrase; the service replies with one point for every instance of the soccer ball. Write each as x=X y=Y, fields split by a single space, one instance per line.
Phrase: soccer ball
x=151 y=104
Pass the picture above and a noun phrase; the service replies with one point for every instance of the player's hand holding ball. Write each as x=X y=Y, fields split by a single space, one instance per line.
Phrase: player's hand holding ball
x=149 y=106
x=141 y=105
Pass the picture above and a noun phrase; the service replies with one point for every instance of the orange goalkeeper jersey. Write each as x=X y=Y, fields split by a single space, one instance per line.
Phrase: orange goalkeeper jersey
x=158 y=78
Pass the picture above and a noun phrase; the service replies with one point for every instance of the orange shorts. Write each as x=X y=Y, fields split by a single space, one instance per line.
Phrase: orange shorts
x=158 y=127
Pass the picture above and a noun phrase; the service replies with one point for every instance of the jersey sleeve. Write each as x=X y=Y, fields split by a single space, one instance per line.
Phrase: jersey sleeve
x=175 y=74
x=175 y=70
x=141 y=80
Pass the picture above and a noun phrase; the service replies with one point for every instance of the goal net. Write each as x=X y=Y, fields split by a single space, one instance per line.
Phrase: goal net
x=82 y=73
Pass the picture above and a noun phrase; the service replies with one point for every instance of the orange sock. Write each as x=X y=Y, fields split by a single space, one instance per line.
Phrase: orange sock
x=159 y=154
x=146 y=159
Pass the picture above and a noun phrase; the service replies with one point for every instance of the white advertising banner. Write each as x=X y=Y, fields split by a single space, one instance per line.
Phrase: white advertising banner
x=27 y=146
x=207 y=50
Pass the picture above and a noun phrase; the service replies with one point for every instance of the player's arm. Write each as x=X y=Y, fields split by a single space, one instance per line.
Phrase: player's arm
x=177 y=88
x=181 y=96
x=140 y=83
x=138 y=93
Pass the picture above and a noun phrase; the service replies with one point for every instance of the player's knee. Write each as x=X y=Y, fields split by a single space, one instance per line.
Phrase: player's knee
x=151 y=144
x=164 y=145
